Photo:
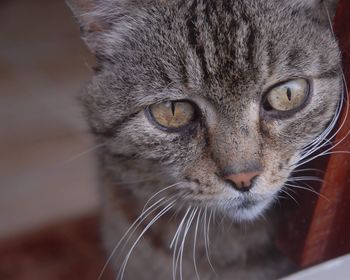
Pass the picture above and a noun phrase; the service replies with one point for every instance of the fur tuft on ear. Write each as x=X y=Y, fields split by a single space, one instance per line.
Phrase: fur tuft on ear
x=101 y=20
x=96 y=19
x=92 y=23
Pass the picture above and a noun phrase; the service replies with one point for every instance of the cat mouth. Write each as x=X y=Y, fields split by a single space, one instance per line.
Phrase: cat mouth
x=246 y=204
x=247 y=208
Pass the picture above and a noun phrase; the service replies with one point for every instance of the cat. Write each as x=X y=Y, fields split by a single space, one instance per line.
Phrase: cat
x=202 y=110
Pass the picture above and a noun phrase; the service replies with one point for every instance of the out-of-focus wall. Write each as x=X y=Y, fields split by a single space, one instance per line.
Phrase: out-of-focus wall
x=43 y=65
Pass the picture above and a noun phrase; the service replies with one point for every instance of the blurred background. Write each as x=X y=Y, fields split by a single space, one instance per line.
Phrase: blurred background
x=43 y=66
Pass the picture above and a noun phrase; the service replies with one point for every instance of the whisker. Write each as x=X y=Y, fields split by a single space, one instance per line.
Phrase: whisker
x=175 y=240
x=306 y=178
x=162 y=190
x=343 y=99
x=180 y=254
x=325 y=153
x=206 y=237
x=141 y=221
x=307 y=169
x=287 y=193
x=194 y=245
x=160 y=214
x=178 y=229
x=134 y=225
x=81 y=154
x=336 y=152
x=308 y=189
x=346 y=97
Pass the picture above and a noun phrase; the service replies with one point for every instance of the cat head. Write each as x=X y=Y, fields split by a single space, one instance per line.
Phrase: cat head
x=226 y=96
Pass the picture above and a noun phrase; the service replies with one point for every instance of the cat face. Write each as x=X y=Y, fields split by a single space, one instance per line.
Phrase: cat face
x=221 y=95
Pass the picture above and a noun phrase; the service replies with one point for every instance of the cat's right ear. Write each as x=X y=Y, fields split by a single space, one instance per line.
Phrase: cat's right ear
x=93 y=22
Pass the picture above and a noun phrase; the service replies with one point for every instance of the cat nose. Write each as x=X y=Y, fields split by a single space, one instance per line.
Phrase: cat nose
x=242 y=181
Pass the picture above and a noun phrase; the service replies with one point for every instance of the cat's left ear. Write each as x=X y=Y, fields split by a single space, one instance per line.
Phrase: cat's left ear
x=322 y=10
x=93 y=21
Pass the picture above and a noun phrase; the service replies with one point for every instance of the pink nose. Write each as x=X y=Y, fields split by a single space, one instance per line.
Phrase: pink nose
x=242 y=181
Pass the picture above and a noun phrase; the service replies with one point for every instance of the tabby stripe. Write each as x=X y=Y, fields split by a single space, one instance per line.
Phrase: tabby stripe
x=167 y=80
x=183 y=72
x=250 y=38
x=332 y=73
x=193 y=38
x=271 y=60
x=295 y=56
x=210 y=10
x=251 y=45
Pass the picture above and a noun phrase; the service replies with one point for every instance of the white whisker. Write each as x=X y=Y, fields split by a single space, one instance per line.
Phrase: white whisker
x=310 y=189
x=160 y=214
x=175 y=240
x=162 y=190
x=306 y=178
x=206 y=237
x=141 y=221
x=287 y=193
x=81 y=154
x=133 y=227
x=194 y=245
x=180 y=254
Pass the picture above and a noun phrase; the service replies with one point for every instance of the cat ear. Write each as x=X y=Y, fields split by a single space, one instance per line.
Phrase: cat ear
x=93 y=21
x=322 y=10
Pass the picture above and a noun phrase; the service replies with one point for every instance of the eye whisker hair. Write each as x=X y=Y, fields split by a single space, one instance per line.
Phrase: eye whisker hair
x=82 y=154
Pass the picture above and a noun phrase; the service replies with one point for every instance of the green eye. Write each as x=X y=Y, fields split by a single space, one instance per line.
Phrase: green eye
x=287 y=96
x=172 y=115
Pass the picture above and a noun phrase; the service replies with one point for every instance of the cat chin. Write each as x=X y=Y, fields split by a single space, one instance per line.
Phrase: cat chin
x=243 y=212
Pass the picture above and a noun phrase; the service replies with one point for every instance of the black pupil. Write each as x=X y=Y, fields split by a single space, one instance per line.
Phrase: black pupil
x=173 y=108
x=289 y=94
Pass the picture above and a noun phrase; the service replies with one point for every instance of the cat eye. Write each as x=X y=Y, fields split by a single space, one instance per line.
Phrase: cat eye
x=288 y=96
x=172 y=115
